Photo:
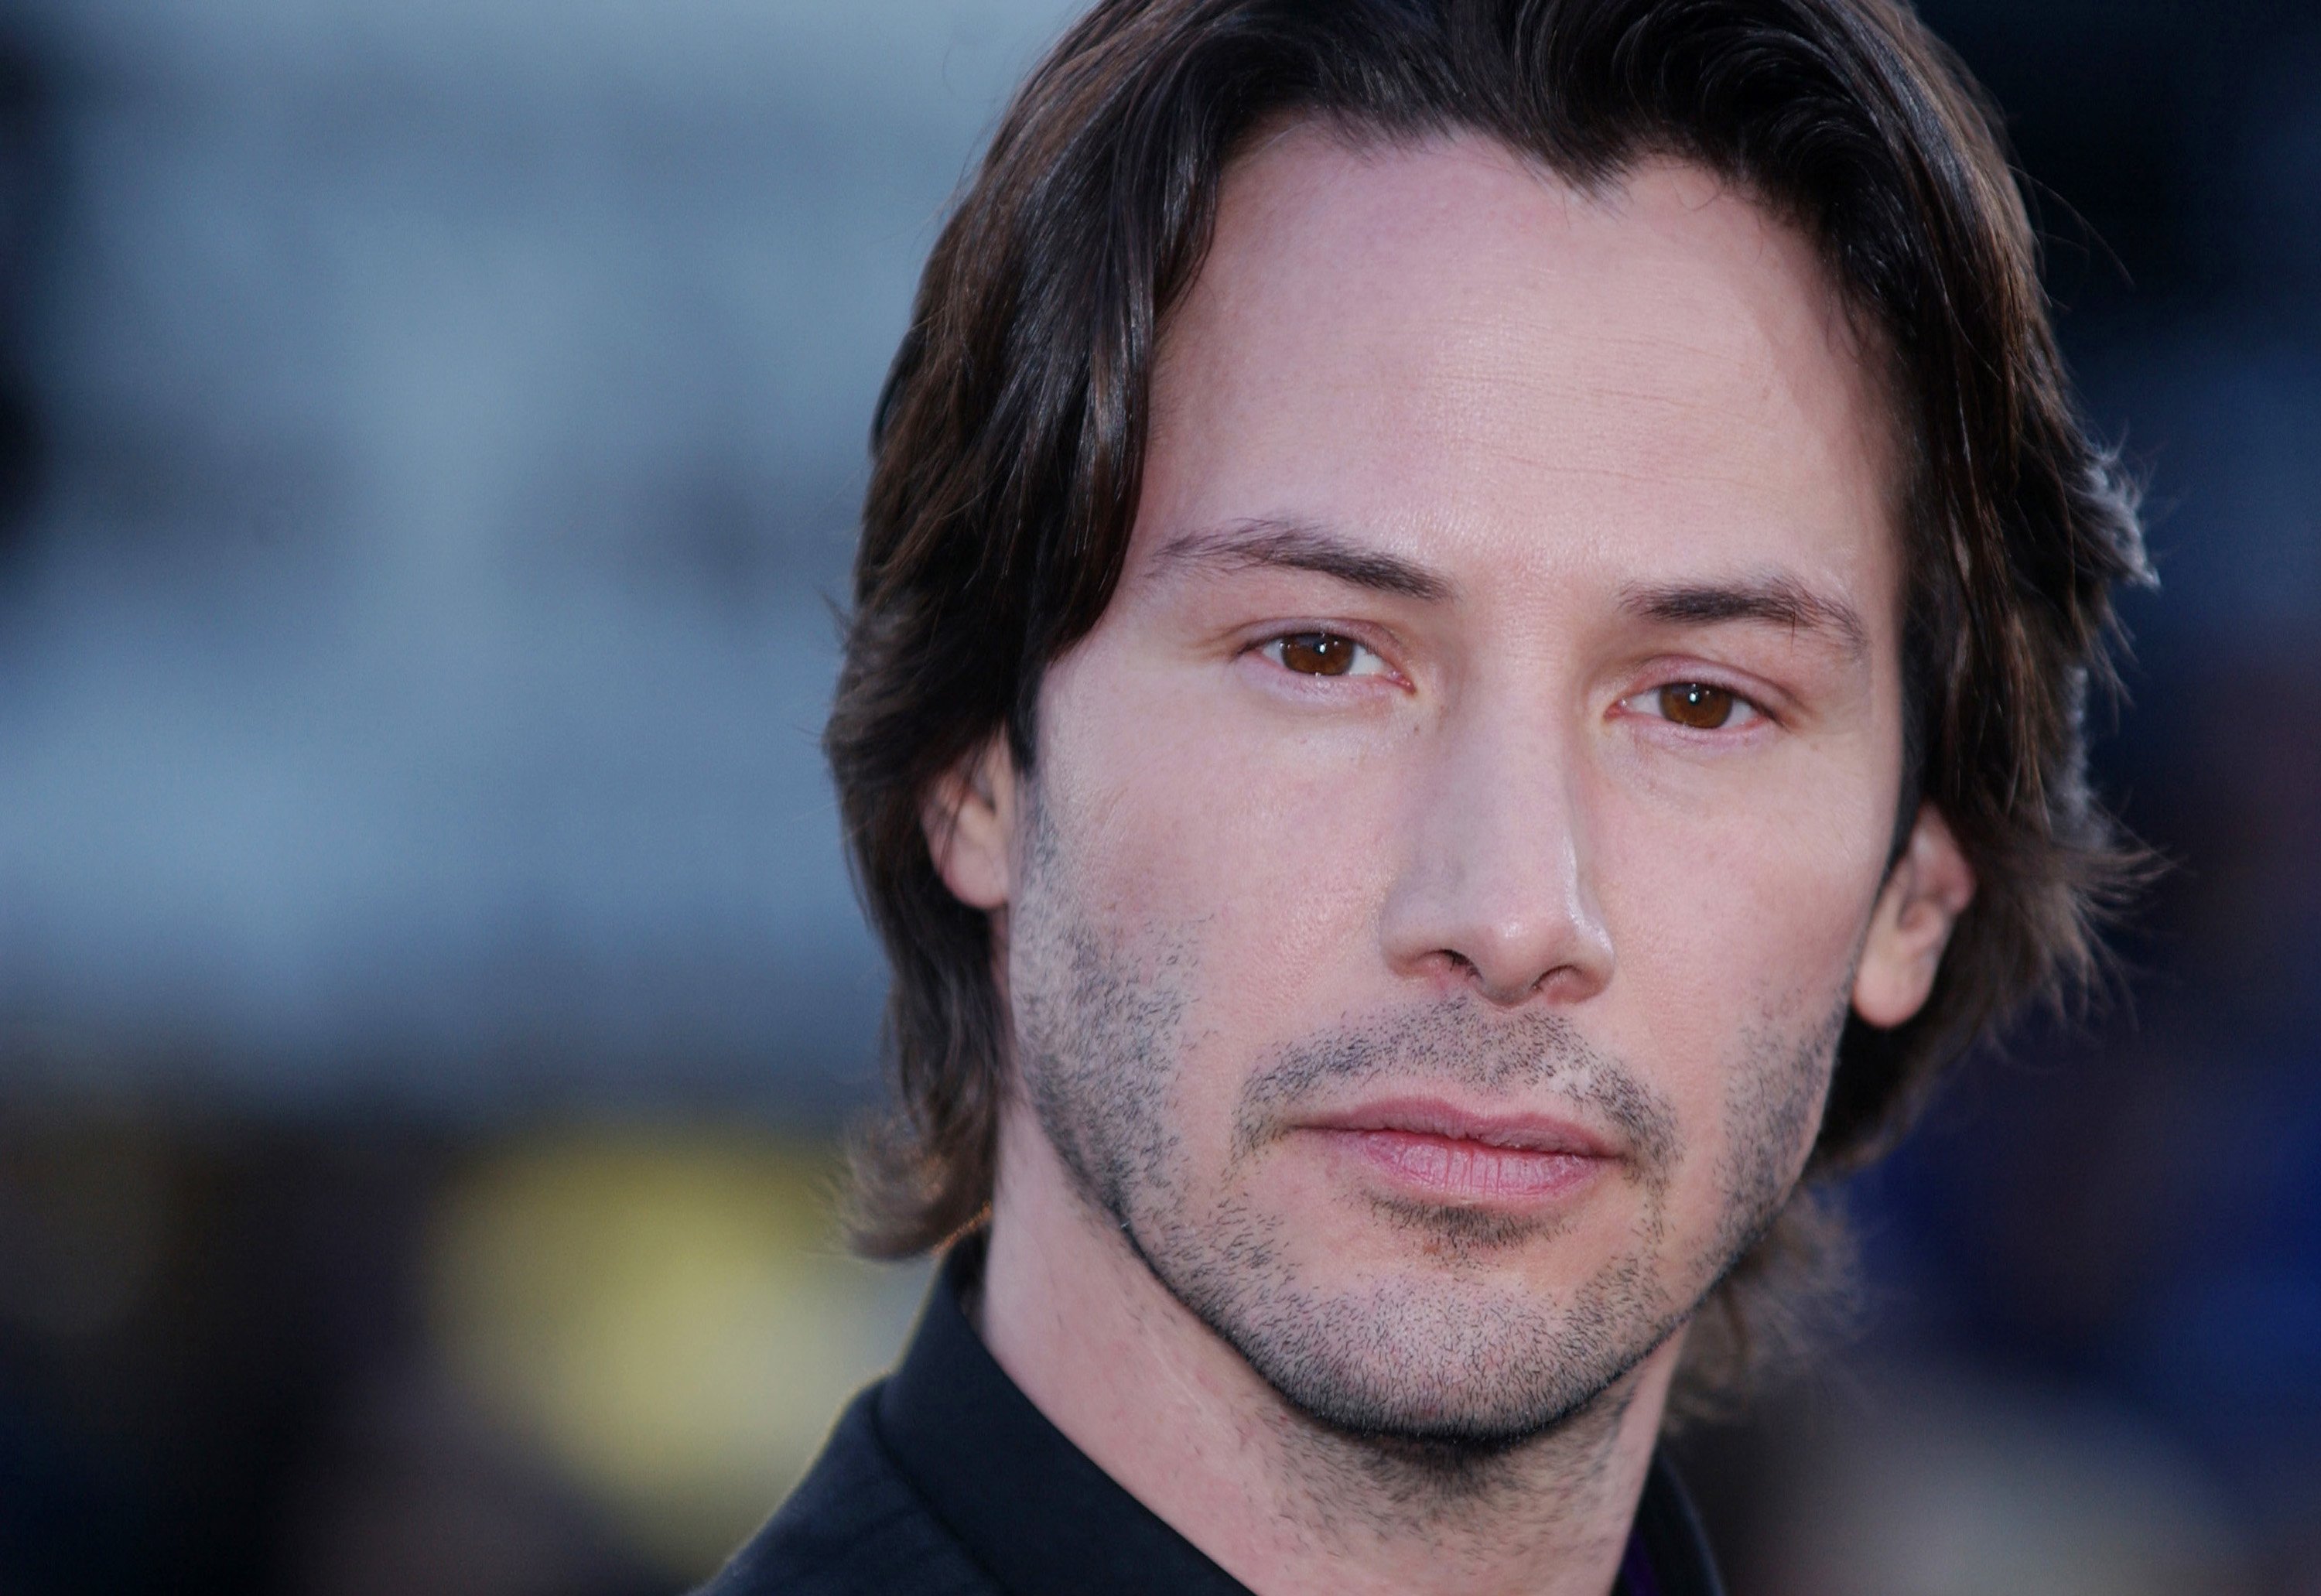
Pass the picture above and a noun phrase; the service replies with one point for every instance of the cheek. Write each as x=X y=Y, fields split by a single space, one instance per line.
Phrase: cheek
x=1735 y=933
x=1259 y=848
x=1740 y=906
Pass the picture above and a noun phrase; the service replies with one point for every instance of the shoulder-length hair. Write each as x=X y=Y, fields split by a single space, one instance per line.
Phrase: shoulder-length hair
x=1010 y=438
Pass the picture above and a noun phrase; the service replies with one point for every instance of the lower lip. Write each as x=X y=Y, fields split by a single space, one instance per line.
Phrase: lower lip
x=1451 y=1169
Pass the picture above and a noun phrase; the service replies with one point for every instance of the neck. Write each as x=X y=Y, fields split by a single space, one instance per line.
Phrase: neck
x=1286 y=1506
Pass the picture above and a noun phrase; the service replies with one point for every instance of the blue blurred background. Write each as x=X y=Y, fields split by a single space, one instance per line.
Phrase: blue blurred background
x=430 y=990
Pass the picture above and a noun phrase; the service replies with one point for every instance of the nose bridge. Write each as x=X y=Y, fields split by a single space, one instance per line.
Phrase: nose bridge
x=1496 y=886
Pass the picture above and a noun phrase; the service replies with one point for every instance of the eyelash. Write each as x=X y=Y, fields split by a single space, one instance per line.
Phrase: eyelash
x=1745 y=711
x=1368 y=664
x=1647 y=702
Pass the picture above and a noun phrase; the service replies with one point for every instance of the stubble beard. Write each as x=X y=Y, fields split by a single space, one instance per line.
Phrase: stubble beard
x=1438 y=1371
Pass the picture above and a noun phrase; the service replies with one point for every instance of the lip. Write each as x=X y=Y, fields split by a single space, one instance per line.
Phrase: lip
x=1441 y=1153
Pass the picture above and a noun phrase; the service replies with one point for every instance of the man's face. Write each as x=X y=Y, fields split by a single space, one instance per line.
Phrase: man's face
x=1429 y=921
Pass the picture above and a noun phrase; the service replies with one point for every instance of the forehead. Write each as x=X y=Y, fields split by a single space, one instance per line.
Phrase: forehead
x=1445 y=349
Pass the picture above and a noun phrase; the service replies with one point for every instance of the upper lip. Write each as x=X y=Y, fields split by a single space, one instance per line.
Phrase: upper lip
x=1517 y=1131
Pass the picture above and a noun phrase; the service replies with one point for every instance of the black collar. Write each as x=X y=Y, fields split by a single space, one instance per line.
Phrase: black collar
x=1041 y=1519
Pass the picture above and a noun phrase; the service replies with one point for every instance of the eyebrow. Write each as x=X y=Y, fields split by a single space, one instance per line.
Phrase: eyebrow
x=1302 y=545
x=1777 y=600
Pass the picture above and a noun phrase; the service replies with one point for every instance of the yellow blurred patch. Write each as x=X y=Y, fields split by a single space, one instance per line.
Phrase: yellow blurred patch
x=670 y=1319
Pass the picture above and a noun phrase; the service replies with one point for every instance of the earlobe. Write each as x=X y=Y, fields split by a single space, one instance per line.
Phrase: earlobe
x=970 y=821
x=1926 y=891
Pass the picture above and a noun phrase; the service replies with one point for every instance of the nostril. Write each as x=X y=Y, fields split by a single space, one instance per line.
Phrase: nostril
x=1462 y=970
x=1562 y=981
x=1459 y=967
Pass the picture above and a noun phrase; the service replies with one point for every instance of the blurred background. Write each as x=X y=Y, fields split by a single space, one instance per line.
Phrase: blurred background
x=430 y=990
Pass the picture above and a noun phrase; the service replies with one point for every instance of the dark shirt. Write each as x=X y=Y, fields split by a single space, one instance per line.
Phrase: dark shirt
x=944 y=1478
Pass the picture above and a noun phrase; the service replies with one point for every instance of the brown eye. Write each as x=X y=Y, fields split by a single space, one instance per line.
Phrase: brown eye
x=1697 y=705
x=1318 y=653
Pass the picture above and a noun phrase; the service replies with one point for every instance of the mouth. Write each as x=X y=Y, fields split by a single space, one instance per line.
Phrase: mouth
x=1437 y=1151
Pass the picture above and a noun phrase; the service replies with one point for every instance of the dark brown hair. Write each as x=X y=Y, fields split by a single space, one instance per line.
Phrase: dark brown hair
x=1010 y=438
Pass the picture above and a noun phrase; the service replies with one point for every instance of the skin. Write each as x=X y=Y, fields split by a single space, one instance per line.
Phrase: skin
x=1466 y=492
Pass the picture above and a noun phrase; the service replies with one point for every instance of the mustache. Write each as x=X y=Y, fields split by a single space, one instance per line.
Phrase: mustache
x=1459 y=1043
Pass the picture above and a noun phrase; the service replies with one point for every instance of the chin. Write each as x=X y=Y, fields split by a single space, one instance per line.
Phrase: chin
x=1459 y=1349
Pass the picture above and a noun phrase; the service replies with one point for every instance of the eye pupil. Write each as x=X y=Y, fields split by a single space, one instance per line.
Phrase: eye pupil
x=1697 y=704
x=1318 y=653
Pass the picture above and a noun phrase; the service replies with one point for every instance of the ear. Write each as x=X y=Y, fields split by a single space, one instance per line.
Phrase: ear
x=1925 y=894
x=969 y=820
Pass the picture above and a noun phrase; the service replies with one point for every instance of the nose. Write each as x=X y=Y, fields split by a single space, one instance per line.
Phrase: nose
x=1494 y=888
